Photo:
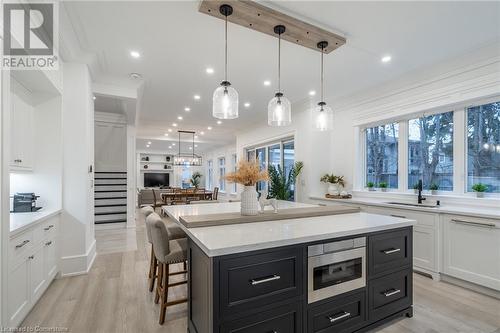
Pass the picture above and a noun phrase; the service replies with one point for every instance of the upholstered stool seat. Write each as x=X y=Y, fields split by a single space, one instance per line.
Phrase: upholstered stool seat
x=178 y=251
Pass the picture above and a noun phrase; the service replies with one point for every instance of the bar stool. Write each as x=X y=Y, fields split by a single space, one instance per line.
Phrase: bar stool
x=167 y=252
x=174 y=231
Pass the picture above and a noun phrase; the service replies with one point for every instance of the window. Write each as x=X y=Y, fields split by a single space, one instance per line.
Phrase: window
x=210 y=178
x=430 y=151
x=483 y=146
x=235 y=165
x=382 y=155
x=222 y=173
x=278 y=154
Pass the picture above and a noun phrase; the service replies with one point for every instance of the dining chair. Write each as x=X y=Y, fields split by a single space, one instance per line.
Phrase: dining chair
x=215 y=193
x=157 y=200
x=167 y=253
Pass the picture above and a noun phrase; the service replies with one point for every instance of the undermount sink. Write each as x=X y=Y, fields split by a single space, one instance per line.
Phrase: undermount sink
x=412 y=204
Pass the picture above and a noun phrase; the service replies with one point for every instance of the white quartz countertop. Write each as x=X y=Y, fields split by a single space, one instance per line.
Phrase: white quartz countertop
x=22 y=221
x=477 y=211
x=236 y=238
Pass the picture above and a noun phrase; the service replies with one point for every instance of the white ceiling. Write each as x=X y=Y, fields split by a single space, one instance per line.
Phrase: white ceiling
x=177 y=44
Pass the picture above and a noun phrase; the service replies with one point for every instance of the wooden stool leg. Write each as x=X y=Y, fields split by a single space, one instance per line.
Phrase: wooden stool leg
x=152 y=270
x=164 y=295
x=159 y=283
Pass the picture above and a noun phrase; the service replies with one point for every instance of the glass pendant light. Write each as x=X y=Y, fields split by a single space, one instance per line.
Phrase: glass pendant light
x=279 y=110
x=225 y=98
x=322 y=114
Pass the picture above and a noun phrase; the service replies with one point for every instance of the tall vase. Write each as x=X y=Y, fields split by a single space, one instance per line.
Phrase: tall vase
x=249 y=201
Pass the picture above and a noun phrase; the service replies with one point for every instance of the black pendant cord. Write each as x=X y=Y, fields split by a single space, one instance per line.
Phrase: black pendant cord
x=179 y=143
x=279 y=63
x=193 y=144
x=225 y=51
x=322 y=74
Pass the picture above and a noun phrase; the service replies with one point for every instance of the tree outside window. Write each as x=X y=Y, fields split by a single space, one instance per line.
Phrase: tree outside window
x=382 y=154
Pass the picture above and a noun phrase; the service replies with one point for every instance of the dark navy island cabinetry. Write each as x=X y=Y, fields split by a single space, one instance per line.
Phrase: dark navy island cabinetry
x=349 y=284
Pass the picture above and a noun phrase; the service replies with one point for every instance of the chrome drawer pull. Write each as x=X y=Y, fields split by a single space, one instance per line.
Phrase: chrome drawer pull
x=400 y=216
x=48 y=243
x=263 y=280
x=391 y=251
x=31 y=257
x=477 y=224
x=390 y=293
x=49 y=227
x=342 y=316
x=22 y=244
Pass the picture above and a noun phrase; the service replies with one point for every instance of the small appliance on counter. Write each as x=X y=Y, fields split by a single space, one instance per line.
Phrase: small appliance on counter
x=25 y=202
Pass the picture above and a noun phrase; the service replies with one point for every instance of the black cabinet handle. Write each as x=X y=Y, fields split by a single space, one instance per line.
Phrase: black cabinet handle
x=265 y=279
x=339 y=316
x=391 y=292
x=391 y=251
x=22 y=244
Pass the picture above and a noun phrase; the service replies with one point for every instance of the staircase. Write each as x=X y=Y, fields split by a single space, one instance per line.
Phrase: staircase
x=110 y=197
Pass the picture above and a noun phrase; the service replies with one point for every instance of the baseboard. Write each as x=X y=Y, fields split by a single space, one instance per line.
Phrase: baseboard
x=79 y=264
x=472 y=286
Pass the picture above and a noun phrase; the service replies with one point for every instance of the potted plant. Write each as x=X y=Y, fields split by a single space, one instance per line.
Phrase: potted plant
x=383 y=186
x=371 y=186
x=195 y=179
x=333 y=183
x=480 y=188
x=415 y=188
x=248 y=174
x=434 y=187
x=281 y=184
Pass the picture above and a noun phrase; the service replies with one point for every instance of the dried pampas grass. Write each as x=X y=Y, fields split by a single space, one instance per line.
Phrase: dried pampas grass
x=247 y=174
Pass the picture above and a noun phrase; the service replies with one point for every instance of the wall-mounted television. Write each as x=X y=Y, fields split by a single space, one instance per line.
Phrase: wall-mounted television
x=156 y=179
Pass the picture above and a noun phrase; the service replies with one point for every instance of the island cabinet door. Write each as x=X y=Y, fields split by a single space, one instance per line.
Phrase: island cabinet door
x=250 y=282
x=342 y=314
x=283 y=319
x=389 y=251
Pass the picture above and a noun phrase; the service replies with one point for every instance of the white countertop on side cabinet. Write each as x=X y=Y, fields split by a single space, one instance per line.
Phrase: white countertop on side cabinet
x=21 y=221
x=236 y=238
x=466 y=210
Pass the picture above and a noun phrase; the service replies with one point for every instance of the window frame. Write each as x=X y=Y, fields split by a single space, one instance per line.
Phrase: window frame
x=210 y=172
x=460 y=148
x=220 y=167
x=234 y=160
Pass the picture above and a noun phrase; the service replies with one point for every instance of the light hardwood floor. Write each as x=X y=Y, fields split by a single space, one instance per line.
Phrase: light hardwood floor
x=113 y=297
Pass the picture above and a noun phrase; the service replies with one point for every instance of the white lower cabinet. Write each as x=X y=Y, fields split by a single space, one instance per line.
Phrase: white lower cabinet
x=471 y=249
x=33 y=267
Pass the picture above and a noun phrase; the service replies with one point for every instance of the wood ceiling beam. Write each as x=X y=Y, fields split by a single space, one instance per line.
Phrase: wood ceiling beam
x=257 y=17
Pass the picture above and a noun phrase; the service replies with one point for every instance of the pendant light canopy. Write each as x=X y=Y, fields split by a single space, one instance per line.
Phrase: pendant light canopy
x=279 y=109
x=225 y=98
x=322 y=114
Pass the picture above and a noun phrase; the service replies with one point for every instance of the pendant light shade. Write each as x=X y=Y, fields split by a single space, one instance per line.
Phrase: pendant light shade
x=322 y=113
x=225 y=98
x=279 y=109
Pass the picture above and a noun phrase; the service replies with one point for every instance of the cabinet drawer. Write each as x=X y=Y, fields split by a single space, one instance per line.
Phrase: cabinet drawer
x=389 y=294
x=388 y=251
x=251 y=281
x=343 y=314
x=284 y=319
x=19 y=245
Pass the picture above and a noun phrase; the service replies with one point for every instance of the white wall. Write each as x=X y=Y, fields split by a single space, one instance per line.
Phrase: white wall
x=77 y=227
x=214 y=155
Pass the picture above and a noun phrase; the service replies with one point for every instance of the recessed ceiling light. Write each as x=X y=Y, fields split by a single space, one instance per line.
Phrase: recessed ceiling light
x=267 y=83
x=179 y=117
x=195 y=146
x=93 y=97
x=196 y=97
x=312 y=93
x=166 y=134
x=247 y=104
x=135 y=54
x=196 y=136
x=209 y=70
x=202 y=133
x=174 y=124
x=187 y=109
x=169 y=147
x=147 y=146
x=386 y=59
x=173 y=144
x=190 y=148
x=219 y=122
x=209 y=128
x=170 y=130
x=135 y=76
x=149 y=142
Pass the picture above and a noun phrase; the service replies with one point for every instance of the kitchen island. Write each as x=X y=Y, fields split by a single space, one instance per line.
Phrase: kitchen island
x=338 y=273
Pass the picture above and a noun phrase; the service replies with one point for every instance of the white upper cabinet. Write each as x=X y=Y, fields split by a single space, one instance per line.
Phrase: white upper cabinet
x=22 y=143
